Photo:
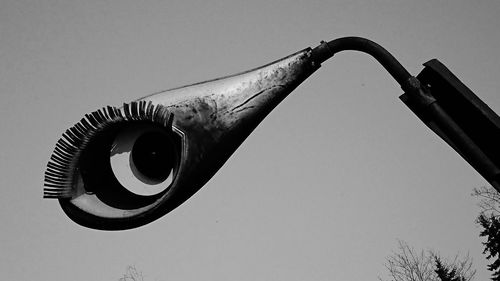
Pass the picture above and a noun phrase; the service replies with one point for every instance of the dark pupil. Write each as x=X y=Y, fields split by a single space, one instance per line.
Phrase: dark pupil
x=153 y=156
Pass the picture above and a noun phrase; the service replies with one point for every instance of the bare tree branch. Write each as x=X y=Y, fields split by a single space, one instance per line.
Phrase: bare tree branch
x=132 y=274
x=462 y=267
x=489 y=200
x=406 y=264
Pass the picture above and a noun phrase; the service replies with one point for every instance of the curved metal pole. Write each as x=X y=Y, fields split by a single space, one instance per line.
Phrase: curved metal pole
x=419 y=93
x=327 y=49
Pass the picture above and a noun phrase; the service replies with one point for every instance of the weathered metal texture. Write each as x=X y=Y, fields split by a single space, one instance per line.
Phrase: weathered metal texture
x=212 y=119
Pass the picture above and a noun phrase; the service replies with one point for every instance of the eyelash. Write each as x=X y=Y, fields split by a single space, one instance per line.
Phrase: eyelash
x=60 y=171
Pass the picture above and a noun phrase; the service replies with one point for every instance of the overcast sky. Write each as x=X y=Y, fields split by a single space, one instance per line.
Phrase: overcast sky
x=321 y=190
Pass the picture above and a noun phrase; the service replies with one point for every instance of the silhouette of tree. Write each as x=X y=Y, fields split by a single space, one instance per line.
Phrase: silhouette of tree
x=447 y=272
x=406 y=264
x=491 y=230
x=132 y=274
x=489 y=219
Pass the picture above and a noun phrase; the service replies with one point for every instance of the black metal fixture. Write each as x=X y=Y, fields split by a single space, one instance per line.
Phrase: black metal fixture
x=120 y=168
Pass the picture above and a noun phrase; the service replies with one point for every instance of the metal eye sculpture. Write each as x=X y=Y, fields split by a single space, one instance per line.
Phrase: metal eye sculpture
x=121 y=168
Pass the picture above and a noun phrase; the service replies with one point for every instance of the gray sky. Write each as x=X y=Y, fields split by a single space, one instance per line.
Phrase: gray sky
x=321 y=190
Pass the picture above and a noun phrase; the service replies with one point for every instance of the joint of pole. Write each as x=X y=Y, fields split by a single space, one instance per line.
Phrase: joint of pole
x=322 y=52
x=418 y=92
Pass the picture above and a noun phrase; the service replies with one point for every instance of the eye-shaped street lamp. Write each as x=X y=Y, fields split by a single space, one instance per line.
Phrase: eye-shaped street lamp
x=120 y=168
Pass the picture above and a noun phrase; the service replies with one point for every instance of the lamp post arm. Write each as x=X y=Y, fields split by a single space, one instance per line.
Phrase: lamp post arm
x=419 y=97
x=327 y=49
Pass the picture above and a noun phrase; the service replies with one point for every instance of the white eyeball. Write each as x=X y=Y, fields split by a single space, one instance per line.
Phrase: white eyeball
x=143 y=159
